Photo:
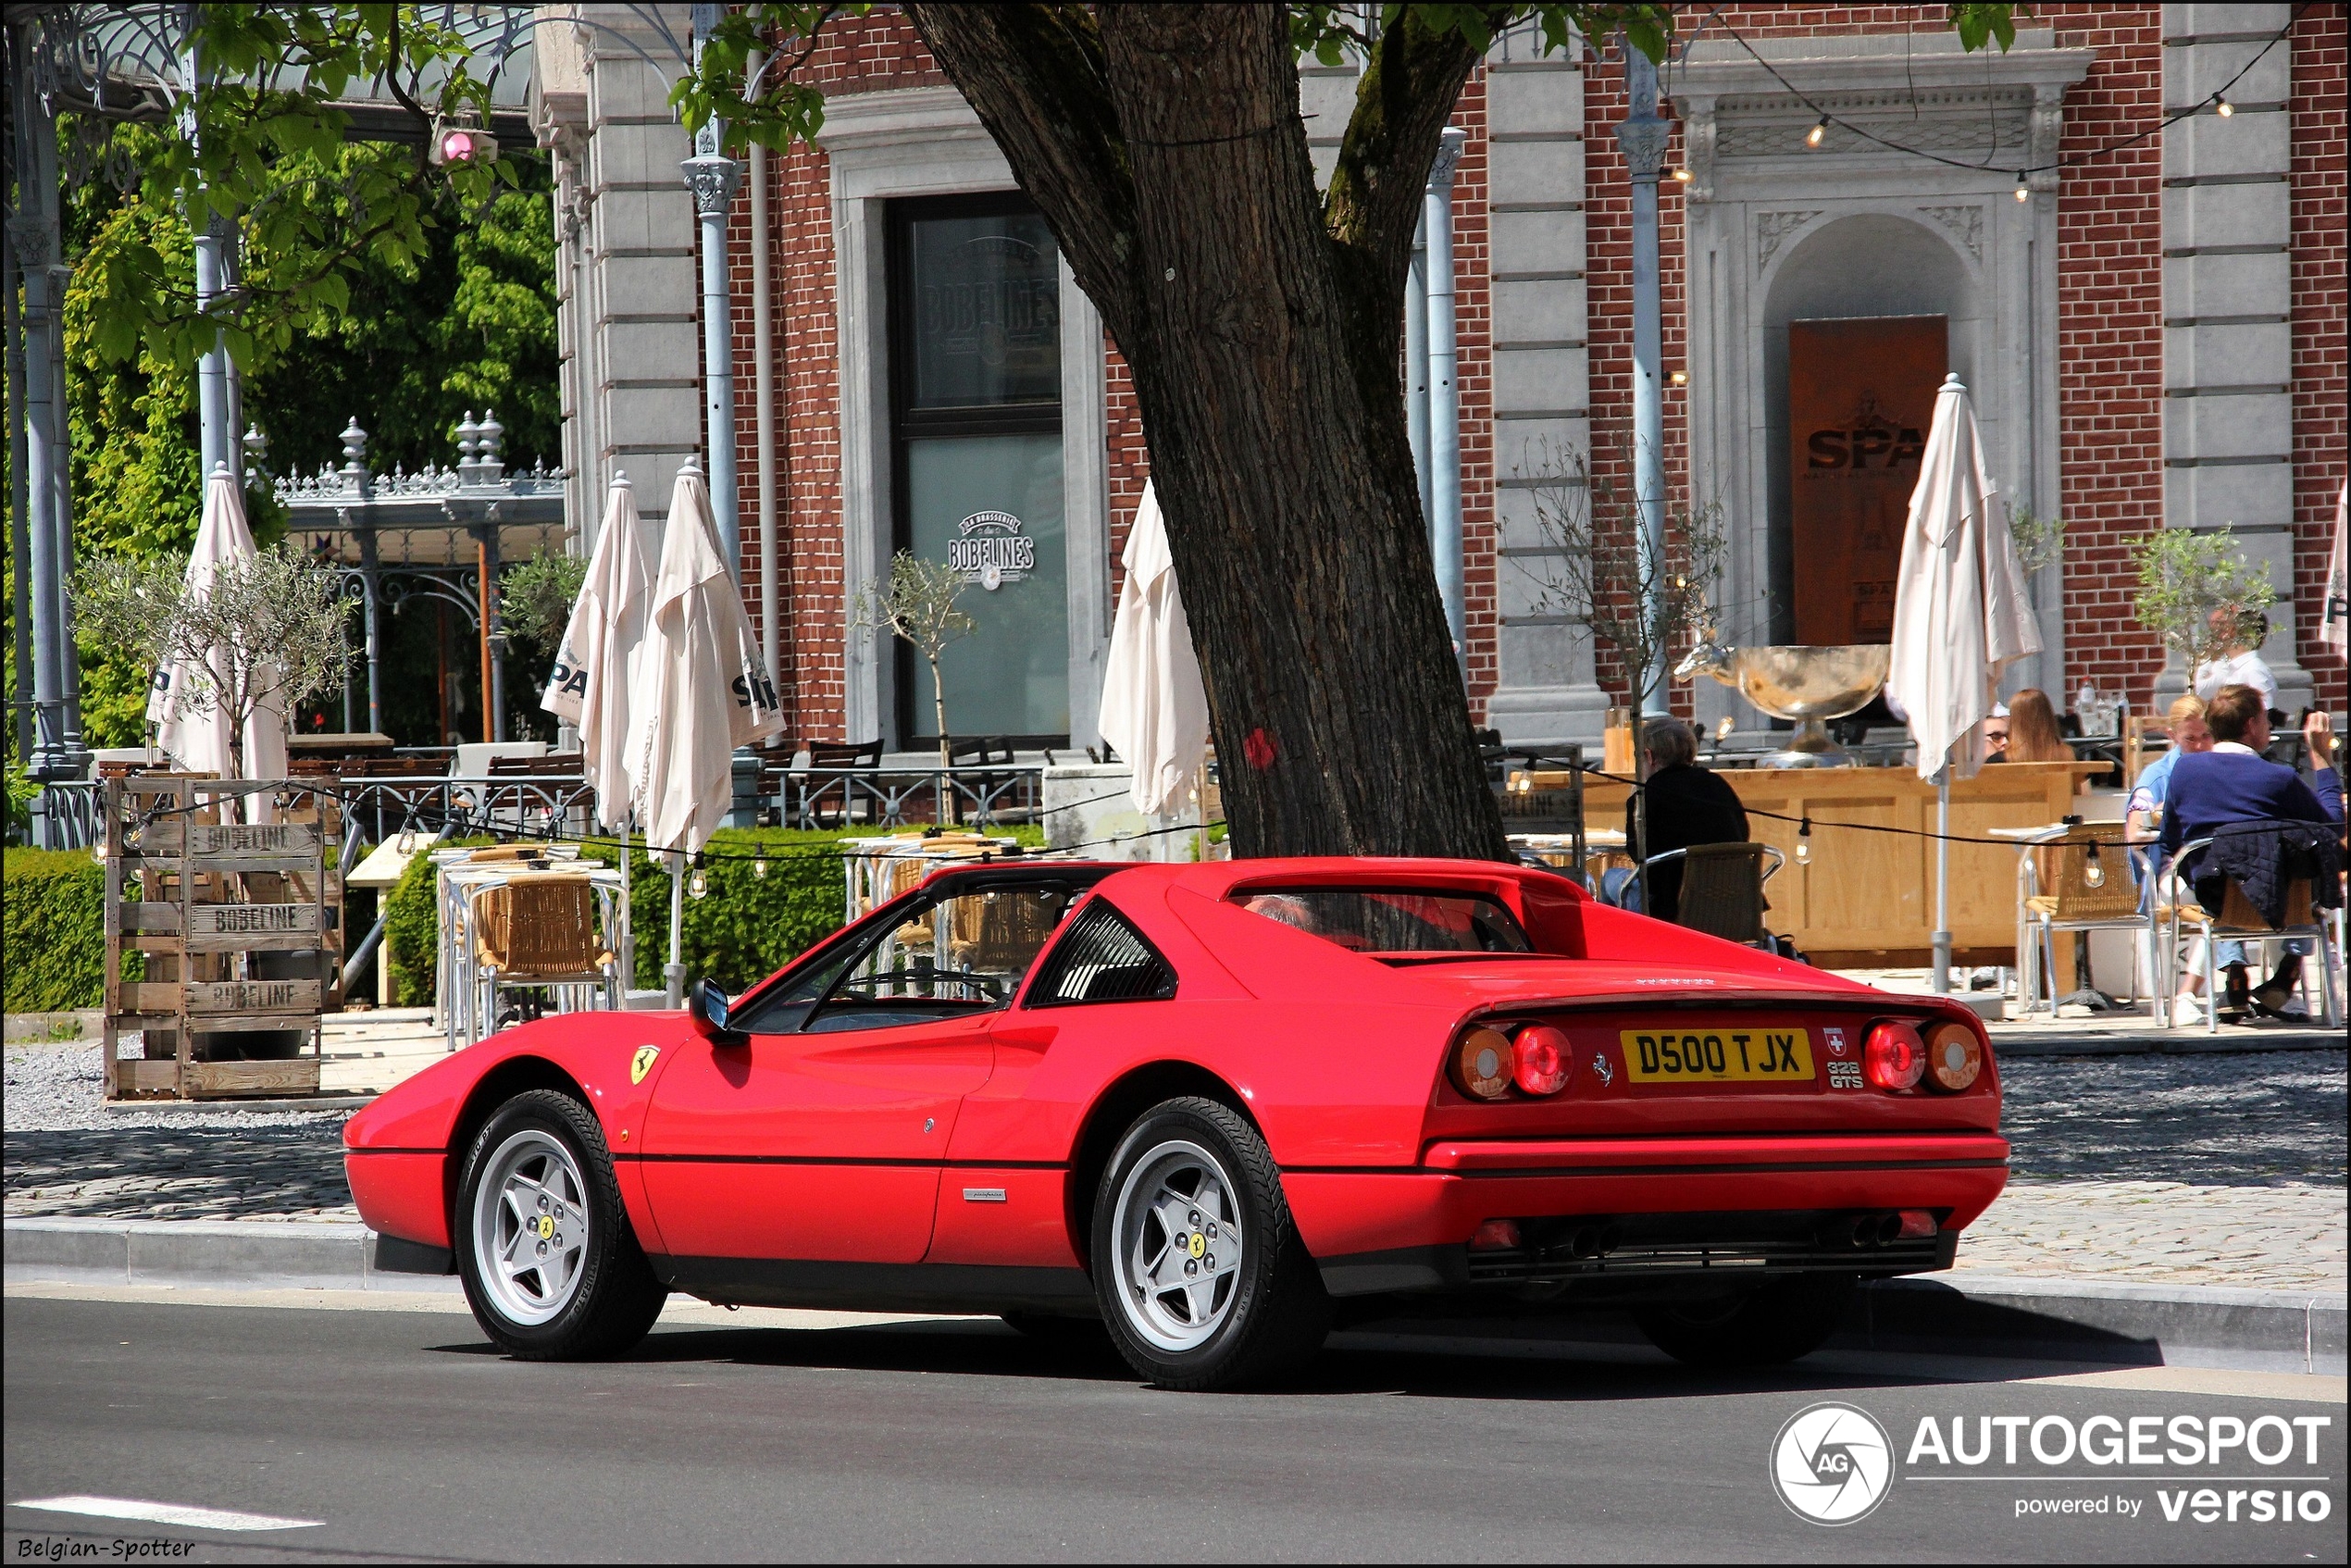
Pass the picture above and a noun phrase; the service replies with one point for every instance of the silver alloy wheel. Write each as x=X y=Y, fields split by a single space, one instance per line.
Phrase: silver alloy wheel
x=1177 y=1224
x=530 y=1228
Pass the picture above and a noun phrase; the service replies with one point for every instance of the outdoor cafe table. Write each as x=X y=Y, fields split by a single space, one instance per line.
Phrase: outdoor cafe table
x=1866 y=899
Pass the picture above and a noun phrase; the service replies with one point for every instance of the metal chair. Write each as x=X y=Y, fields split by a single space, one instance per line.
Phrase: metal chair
x=555 y=931
x=2237 y=920
x=2091 y=891
x=1722 y=890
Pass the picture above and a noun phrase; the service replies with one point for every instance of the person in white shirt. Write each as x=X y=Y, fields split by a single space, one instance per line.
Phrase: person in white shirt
x=2239 y=665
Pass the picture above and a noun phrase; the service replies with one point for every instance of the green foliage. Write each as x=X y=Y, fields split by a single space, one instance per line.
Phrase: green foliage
x=745 y=927
x=535 y=598
x=55 y=930
x=2199 y=592
x=1976 y=23
x=258 y=146
x=2040 y=541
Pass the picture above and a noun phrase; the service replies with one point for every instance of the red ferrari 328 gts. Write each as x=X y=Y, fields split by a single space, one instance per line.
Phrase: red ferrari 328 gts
x=1218 y=1106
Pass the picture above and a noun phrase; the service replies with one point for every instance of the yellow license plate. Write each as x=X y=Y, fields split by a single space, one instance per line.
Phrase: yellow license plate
x=1741 y=1055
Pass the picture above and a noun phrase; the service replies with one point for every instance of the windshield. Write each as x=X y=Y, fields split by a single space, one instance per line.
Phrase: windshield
x=1393 y=919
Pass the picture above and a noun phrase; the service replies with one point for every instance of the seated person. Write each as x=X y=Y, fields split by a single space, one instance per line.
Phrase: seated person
x=1687 y=805
x=2184 y=722
x=1996 y=734
x=2234 y=783
x=2239 y=663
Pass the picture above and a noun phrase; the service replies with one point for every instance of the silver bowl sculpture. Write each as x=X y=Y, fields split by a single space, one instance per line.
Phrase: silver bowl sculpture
x=1808 y=685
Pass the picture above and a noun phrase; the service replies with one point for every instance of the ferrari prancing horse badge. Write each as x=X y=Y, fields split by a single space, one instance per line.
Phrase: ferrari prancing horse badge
x=642 y=1062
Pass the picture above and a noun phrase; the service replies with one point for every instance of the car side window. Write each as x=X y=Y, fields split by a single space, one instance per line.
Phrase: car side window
x=966 y=952
x=1102 y=958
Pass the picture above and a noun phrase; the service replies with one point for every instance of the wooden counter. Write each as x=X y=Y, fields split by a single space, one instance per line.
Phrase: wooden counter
x=1867 y=900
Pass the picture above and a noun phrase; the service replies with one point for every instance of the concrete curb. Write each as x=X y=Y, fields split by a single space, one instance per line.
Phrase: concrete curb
x=355 y=1101
x=233 y=1255
x=1963 y=1312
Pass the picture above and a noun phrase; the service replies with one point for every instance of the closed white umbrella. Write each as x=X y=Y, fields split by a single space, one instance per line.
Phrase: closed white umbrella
x=701 y=690
x=199 y=739
x=2335 y=629
x=1960 y=617
x=1154 y=707
x=592 y=686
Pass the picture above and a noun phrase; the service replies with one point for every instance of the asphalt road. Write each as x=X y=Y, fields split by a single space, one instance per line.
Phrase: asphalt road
x=402 y=1435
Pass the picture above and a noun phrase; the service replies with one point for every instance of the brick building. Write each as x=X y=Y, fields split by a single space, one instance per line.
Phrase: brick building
x=2153 y=330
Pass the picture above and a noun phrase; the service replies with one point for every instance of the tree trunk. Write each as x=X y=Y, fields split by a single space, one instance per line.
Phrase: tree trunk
x=1163 y=146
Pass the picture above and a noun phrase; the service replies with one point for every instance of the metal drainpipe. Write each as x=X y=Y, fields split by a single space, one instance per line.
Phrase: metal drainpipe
x=1642 y=137
x=37 y=245
x=763 y=340
x=20 y=519
x=1444 y=390
x=1416 y=368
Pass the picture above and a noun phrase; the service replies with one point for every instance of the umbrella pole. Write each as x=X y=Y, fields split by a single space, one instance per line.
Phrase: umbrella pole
x=1943 y=879
x=675 y=974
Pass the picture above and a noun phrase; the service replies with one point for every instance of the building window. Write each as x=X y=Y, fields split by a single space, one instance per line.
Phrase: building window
x=976 y=414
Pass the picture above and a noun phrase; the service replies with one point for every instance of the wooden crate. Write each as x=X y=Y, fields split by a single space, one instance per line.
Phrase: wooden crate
x=214 y=895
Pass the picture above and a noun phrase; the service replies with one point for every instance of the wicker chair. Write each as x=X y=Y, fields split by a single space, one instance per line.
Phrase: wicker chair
x=2075 y=904
x=1722 y=890
x=542 y=929
x=2238 y=920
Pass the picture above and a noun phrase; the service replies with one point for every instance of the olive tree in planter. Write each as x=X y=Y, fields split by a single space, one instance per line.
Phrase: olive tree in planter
x=918 y=603
x=267 y=628
x=2199 y=595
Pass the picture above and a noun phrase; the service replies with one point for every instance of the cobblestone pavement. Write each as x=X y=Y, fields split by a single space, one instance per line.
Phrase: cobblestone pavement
x=2212 y=1170
x=2270 y=1237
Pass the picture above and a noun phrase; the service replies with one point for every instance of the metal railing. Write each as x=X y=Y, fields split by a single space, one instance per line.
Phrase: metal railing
x=65 y=814
x=523 y=806
x=996 y=795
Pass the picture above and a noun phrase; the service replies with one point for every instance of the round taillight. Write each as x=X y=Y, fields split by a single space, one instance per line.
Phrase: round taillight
x=1541 y=1059
x=1483 y=1064
x=1893 y=1057
x=1954 y=1057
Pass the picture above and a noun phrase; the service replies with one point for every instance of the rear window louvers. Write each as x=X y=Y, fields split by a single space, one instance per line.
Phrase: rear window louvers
x=1102 y=958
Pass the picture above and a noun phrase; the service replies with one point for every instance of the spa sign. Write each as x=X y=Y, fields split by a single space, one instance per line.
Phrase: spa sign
x=990 y=550
x=1861 y=395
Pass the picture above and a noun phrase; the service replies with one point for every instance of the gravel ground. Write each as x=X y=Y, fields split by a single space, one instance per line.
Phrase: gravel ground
x=60 y=1088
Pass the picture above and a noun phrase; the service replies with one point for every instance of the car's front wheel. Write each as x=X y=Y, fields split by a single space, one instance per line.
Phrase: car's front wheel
x=1773 y=1323
x=1204 y=1281
x=550 y=1267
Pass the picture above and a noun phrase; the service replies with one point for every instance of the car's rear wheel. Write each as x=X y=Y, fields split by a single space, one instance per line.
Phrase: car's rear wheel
x=550 y=1267
x=1204 y=1281
x=1773 y=1323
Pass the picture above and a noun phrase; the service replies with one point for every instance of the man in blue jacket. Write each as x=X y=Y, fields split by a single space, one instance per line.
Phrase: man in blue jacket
x=2234 y=783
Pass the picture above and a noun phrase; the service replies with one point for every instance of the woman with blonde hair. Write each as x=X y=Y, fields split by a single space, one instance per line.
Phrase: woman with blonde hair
x=2032 y=729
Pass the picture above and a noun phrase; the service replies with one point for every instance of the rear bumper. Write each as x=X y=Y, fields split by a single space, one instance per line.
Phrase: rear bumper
x=1388 y=1230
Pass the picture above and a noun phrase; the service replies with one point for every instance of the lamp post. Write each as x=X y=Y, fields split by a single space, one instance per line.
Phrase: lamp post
x=712 y=176
x=1641 y=136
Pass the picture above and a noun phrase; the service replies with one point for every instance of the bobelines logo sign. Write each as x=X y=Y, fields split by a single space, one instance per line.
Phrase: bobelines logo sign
x=991 y=550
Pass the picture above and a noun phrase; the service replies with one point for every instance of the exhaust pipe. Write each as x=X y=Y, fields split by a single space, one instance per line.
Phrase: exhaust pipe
x=1864 y=1230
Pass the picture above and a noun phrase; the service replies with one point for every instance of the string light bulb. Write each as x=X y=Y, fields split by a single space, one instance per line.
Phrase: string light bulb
x=407 y=842
x=2093 y=873
x=2222 y=106
x=1682 y=176
x=1813 y=137
x=2023 y=187
x=697 y=884
x=1680 y=377
x=759 y=868
x=1804 y=843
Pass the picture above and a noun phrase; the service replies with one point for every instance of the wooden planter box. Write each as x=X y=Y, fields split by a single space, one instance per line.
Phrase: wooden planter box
x=218 y=901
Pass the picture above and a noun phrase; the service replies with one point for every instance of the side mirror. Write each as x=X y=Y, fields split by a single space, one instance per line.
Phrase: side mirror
x=706 y=1010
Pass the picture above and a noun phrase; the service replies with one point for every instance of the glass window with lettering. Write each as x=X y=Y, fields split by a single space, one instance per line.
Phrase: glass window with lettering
x=978 y=461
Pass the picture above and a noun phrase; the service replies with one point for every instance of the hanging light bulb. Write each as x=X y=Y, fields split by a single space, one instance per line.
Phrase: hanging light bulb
x=1804 y=843
x=697 y=884
x=759 y=868
x=2023 y=187
x=407 y=842
x=1684 y=176
x=1812 y=138
x=2222 y=106
x=2093 y=873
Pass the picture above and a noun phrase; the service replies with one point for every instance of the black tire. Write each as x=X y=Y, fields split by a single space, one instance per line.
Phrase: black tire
x=616 y=1297
x=1276 y=1314
x=1774 y=1323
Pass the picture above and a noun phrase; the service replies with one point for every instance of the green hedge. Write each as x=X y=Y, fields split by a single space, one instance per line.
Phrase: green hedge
x=743 y=929
x=56 y=935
